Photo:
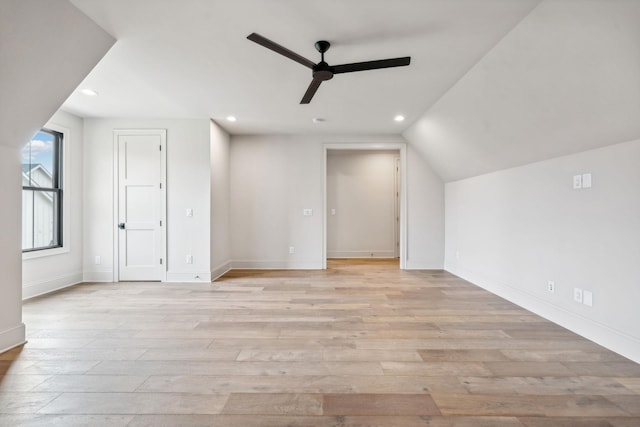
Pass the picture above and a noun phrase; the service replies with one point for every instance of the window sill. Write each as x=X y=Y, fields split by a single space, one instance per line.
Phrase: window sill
x=44 y=253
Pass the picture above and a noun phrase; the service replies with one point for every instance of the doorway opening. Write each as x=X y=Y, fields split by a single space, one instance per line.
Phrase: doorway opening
x=364 y=204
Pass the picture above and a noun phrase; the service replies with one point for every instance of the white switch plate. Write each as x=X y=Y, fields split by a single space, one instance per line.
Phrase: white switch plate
x=577 y=182
x=587 y=298
x=586 y=180
x=189 y=212
x=551 y=286
x=577 y=295
x=333 y=211
x=307 y=212
x=98 y=260
x=292 y=250
x=189 y=259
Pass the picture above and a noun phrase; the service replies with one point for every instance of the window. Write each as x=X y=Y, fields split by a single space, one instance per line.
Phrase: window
x=42 y=192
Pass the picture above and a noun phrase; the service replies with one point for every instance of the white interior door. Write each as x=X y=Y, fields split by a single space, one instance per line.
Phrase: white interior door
x=140 y=205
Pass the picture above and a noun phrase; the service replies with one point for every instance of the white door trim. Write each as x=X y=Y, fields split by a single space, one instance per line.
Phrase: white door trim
x=397 y=181
x=116 y=200
x=402 y=147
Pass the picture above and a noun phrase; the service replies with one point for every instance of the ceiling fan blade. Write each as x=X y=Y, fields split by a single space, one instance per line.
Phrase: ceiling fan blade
x=257 y=38
x=311 y=90
x=371 y=65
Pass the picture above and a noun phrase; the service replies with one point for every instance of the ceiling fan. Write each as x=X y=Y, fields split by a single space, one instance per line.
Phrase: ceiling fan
x=323 y=71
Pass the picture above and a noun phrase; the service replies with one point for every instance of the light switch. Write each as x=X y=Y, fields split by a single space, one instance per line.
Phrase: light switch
x=577 y=295
x=577 y=182
x=586 y=180
x=333 y=211
x=189 y=212
x=307 y=212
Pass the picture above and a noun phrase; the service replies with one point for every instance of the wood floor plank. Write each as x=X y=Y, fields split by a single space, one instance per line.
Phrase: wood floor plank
x=273 y=404
x=40 y=420
x=320 y=421
x=521 y=405
x=379 y=404
x=361 y=343
x=134 y=403
x=548 y=386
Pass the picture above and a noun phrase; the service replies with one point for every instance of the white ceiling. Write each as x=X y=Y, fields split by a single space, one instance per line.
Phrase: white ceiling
x=191 y=59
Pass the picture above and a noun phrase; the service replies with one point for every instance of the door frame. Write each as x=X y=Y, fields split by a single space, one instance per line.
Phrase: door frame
x=116 y=196
x=397 y=182
x=384 y=146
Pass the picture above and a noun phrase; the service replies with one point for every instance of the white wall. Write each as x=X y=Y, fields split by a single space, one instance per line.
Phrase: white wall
x=188 y=187
x=61 y=267
x=425 y=211
x=361 y=189
x=273 y=178
x=514 y=230
x=12 y=330
x=220 y=242
x=69 y=52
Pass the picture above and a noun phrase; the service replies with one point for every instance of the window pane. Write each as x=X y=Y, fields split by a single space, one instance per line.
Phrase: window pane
x=39 y=219
x=38 y=161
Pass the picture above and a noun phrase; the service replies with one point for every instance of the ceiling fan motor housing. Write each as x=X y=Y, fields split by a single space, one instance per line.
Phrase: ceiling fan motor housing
x=322 y=71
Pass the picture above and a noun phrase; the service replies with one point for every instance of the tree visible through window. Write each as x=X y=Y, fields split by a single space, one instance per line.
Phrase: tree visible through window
x=42 y=192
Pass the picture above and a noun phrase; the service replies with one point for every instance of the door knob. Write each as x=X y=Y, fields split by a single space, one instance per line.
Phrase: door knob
x=121 y=226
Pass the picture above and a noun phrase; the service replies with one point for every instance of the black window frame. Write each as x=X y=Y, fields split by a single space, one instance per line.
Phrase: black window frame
x=57 y=181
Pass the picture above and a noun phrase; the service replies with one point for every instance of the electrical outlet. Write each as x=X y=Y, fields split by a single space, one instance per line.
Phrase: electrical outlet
x=577 y=295
x=292 y=250
x=551 y=286
x=307 y=212
x=587 y=298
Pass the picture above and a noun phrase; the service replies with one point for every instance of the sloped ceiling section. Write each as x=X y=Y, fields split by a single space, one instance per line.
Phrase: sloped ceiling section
x=46 y=48
x=566 y=79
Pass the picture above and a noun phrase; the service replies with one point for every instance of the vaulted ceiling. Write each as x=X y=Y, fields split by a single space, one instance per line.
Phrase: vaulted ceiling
x=492 y=84
x=191 y=58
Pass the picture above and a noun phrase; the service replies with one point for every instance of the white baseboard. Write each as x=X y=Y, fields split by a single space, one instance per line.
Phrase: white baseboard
x=276 y=265
x=361 y=254
x=611 y=338
x=30 y=290
x=97 y=276
x=220 y=270
x=12 y=337
x=422 y=265
x=174 y=277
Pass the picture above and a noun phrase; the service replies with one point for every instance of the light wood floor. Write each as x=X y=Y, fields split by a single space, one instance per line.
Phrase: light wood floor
x=362 y=343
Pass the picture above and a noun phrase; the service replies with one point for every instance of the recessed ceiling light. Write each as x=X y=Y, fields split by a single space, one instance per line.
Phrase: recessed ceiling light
x=318 y=120
x=231 y=118
x=399 y=118
x=89 y=92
